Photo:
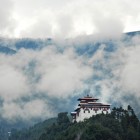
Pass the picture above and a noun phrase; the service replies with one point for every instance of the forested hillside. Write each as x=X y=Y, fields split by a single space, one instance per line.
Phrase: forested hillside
x=121 y=124
x=33 y=133
x=98 y=66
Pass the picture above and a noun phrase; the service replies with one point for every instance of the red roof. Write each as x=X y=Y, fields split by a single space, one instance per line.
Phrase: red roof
x=89 y=99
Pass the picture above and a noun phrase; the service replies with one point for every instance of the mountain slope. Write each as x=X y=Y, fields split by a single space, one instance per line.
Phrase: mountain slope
x=31 y=58
x=32 y=133
x=119 y=125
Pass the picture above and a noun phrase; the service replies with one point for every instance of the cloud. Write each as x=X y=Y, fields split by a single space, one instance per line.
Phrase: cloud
x=109 y=27
x=63 y=73
x=116 y=72
x=31 y=79
x=130 y=76
x=7 y=23
x=13 y=84
x=44 y=18
x=54 y=75
x=35 y=109
x=69 y=67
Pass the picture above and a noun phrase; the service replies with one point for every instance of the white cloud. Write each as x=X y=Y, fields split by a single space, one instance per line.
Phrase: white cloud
x=67 y=18
x=11 y=111
x=34 y=109
x=59 y=72
x=7 y=23
x=55 y=74
x=130 y=76
x=13 y=84
x=62 y=73
x=109 y=27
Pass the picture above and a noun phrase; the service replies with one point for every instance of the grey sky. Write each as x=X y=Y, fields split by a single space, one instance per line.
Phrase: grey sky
x=45 y=18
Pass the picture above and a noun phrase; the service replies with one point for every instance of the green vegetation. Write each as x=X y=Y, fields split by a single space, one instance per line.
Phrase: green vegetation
x=119 y=125
x=33 y=133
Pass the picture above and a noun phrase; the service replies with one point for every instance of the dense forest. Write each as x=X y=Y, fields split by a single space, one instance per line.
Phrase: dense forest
x=121 y=124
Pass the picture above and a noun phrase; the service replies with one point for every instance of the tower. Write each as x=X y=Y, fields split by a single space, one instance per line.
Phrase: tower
x=88 y=107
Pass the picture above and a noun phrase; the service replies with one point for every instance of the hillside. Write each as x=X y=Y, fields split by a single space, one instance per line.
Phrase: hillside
x=119 y=125
x=33 y=132
x=42 y=77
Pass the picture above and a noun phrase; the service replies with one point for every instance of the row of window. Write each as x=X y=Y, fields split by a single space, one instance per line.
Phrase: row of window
x=95 y=111
x=101 y=108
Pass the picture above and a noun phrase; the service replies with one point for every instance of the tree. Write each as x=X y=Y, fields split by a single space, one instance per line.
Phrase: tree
x=62 y=118
x=132 y=134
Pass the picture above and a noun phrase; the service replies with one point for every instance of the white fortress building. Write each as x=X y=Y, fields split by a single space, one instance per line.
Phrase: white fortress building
x=88 y=107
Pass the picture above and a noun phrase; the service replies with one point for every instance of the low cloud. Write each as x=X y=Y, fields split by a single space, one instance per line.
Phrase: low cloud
x=31 y=79
x=37 y=83
x=13 y=84
x=63 y=74
x=35 y=109
x=130 y=76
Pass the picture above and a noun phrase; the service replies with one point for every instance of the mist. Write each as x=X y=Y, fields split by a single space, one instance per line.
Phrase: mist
x=36 y=83
x=52 y=53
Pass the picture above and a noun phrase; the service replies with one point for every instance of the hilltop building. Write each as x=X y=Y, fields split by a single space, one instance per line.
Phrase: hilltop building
x=88 y=107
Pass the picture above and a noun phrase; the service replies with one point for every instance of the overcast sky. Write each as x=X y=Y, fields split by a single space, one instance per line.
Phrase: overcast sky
x=64 y=18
